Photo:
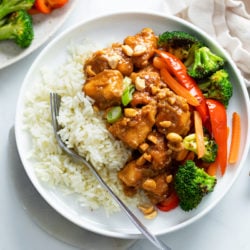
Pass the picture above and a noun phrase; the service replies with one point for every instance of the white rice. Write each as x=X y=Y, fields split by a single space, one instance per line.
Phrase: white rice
x=83 y=129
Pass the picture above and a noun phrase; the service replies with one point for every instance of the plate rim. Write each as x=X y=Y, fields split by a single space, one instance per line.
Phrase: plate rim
x=155 y=14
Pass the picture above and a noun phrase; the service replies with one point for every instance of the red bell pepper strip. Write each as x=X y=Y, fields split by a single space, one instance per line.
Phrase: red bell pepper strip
x=218 y=118
x=179 y=70
x=169 y=203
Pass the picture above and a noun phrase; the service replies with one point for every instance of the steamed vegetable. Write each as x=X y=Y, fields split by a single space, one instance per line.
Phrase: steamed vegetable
x=218 y=118
x=218 y=87
x=235 y=141
x=17 y=27
x=10 y=6
x=179 y=43
x=211 y=147
x=192 y=184
x=205 y=63
x=47 y=6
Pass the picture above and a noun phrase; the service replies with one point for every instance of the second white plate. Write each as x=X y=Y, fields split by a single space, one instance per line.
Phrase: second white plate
x=45 y=27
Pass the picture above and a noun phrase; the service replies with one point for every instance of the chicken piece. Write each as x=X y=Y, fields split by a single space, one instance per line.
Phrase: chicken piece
x=141 y=98
x=173 y=114
x=151 y=78
x=133 y=131
x=158 y=150
x=149 y=75
x=160 y=190
x=109 y=58
x=105 y=88
x=131 y=175
x=143 y=45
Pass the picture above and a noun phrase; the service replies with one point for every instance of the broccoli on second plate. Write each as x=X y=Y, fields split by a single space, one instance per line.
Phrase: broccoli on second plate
x=18 y=27
x=218 y=87
x=211 y=147
x=205 y=63
x=9 y=6
x=192 y=184
x=179 y=43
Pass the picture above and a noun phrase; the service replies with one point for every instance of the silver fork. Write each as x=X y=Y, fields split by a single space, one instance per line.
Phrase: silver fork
x=55 y=101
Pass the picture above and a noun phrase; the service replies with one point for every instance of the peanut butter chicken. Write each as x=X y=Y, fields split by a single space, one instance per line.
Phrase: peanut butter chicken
x=154 y=121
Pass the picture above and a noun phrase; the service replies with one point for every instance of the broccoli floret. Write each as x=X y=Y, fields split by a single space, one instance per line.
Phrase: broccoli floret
x=176 y=39
x=180 y=44
x=211 y=147
x=192 y=184
x=205 y=63
x=9 y=6
x=218 y=87
x=18 y=27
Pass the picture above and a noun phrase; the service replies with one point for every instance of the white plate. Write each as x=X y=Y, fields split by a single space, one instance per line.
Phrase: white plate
x=112 y=28
x=45 y=26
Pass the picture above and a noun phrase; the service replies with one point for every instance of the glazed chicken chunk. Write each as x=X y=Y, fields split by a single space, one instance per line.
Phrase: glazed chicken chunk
x=109 y=58
x=131 y=174
x=158 y=151
x=173 y=114
x=136 y=177
x=105 y=88
x=143 y=45
x=134 y=130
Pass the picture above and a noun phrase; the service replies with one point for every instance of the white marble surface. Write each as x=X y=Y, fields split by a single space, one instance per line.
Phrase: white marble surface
x=28 y=223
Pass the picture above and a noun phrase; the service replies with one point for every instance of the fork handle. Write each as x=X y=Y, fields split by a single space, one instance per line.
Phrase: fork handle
x=158 y=243
x=55 y=104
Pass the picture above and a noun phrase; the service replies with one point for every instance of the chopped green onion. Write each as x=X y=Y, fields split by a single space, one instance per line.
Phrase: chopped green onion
x=114 y=114
x=127 y=94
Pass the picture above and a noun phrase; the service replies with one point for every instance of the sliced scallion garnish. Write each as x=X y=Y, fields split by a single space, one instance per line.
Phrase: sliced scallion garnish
x=114 y=114
x=127 y=94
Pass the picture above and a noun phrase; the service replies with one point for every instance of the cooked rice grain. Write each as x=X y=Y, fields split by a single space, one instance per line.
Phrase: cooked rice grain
x=83 y=129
